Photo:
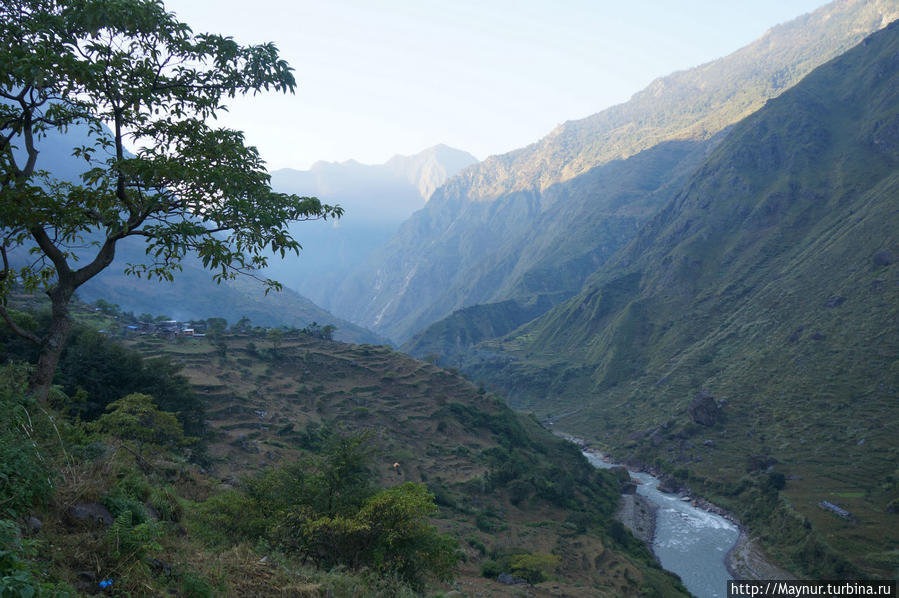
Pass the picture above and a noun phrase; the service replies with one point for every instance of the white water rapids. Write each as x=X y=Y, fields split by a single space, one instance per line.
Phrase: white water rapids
x=688 y=541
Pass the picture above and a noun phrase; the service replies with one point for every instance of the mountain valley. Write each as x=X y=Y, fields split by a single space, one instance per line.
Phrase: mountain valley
x=701 y=284
x=768 y=283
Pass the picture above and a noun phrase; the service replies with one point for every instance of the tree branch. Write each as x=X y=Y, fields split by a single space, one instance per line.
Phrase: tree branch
x=50 y=250
x=103 y=258
x=28 y=133
x=18 y=330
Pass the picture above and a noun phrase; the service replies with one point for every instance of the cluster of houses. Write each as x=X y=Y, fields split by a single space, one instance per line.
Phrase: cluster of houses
x=166 y=328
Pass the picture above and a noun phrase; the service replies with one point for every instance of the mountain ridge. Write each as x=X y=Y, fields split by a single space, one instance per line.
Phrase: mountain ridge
x=376 y=199
x=395 y=292
x=770 y=283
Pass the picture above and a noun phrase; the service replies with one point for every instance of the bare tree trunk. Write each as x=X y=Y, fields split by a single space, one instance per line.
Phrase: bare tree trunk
x=53 y=342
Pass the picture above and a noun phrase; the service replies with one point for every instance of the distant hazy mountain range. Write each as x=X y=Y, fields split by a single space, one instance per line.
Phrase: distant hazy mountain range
x=537 y=221
x=377 y=199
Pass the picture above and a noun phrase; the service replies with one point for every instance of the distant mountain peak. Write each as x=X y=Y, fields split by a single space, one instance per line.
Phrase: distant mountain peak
x=431 y=167
x=426 y=170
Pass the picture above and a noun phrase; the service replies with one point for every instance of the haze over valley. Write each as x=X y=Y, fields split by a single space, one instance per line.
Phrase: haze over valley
x=671 y=322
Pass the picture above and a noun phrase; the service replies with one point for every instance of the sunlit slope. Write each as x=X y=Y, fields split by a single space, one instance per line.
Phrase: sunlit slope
x=538 y=221
x=770 y=281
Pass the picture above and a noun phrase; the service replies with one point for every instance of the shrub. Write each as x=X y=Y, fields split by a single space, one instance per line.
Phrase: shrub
x=166 y=503
x=18 y=576
x=24 y=477
x=131 y=541
x=230 y=517
x=389 y=534
x=135 y=418
x=534 y=566
x=107 y=371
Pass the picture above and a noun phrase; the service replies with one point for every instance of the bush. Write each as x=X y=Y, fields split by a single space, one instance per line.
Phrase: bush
x=135 y=418
x=389 y=534
x=130 y=540
x=18 y=576
x=534 y=566
x=107 y=371
x=166 y=503
x=24 y=477
x=230 y=517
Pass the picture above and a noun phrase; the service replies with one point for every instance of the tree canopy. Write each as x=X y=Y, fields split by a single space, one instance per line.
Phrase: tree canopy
x=145 y=88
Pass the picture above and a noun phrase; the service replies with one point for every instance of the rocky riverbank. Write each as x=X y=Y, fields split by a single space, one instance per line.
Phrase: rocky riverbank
x=638 y=515
x=746 y=561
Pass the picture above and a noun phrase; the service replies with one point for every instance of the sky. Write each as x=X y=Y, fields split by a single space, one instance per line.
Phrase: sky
x=378 y=78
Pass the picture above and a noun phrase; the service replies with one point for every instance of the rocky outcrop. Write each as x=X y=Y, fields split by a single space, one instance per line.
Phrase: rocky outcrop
x=704 y=409
x=669 y=485
x=639 y=515
x=90 y=512
x=883 y=258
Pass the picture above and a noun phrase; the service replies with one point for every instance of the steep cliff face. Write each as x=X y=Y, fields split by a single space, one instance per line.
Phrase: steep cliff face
x=771 y=280
x=510 y=223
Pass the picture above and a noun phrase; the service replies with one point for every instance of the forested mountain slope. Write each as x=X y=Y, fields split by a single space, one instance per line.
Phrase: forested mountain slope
x=770 y=281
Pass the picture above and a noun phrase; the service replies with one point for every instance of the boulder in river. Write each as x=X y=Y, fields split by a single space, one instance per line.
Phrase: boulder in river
x=669 y=485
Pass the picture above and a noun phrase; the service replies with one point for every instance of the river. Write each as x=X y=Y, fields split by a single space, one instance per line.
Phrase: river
x=688 y=541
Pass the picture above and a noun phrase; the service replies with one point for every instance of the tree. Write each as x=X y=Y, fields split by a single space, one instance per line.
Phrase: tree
x=243 y=325
x=275 y=337
x=390 y=534
x=136 y=418
x=190 y=189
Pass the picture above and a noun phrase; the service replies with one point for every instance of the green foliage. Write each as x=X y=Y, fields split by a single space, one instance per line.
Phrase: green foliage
x=389 y=534
x=72 y=68
x=130 y=540
x=19 y=575
x=534 y=566
x=229 y=517
x=776 y=481
x=216 y=325
x=325 y=332
x=192 y=585
x=107 y=371
x=167 y=503
x=12 y=346
x=135 y=417
x=25 y=478
x=120 y=502
x=326 y=510
x=276 y=338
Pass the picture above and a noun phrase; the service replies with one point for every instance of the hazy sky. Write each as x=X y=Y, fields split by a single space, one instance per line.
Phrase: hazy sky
x=384 y=77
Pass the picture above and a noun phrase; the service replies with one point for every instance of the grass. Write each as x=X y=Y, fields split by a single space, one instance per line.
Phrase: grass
x=436 y=425
x=760 y=286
